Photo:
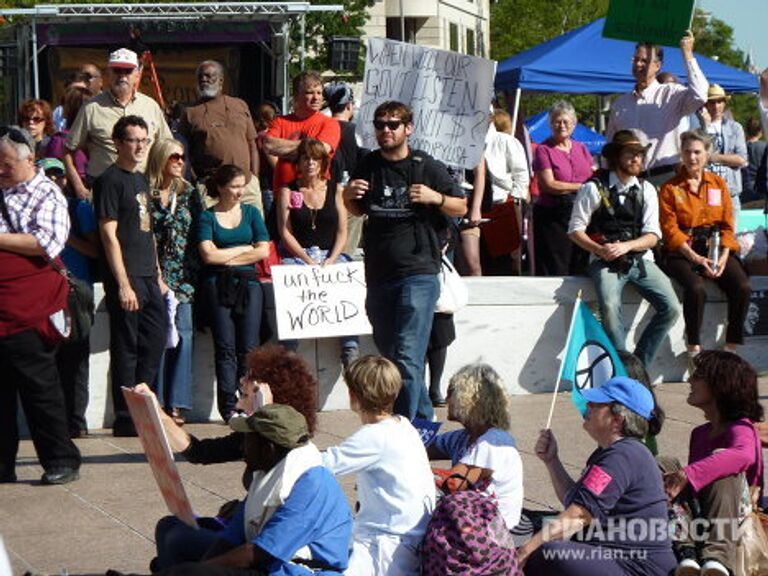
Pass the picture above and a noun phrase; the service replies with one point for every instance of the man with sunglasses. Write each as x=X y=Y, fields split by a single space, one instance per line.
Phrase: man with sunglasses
x=92 y=128
x=133 y=285
x=34 y=225
x=408 y=197
x=219 y=130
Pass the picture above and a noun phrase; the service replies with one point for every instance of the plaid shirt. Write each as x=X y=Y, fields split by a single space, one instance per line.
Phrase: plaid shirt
x=39 y=208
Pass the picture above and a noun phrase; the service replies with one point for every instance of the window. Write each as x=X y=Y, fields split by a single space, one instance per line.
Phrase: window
x=453 y=37
x=470 y=42
x=411 y=27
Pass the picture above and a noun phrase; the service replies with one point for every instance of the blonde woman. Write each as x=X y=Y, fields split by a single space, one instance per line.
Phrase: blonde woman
x=176 y=208
x=484 y=451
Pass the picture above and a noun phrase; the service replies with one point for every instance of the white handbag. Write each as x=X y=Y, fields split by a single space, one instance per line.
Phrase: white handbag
x=454 y=294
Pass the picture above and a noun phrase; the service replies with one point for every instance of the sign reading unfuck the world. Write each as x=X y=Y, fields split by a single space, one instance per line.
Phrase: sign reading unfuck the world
x=320 y=301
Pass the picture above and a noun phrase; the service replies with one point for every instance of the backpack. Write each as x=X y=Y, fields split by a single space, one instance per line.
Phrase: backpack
x=467 y=536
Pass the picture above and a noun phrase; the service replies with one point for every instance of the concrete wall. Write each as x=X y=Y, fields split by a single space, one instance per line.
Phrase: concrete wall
x=518 y=325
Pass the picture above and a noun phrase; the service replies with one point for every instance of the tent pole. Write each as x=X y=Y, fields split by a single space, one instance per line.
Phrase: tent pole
x=516 y=109
x=35 y=71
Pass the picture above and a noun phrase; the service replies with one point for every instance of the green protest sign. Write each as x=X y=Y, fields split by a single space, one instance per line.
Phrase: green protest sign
x=653 y=21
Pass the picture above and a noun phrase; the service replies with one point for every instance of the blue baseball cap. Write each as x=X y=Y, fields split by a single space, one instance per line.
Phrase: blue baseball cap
x=623 y=390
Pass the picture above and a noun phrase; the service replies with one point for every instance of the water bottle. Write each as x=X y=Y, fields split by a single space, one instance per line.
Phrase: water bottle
x=344 y=178
x=714 y=248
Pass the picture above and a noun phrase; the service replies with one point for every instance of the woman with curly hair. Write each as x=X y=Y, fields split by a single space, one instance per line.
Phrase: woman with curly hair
x=35 y=117
x=290 y=382
x=484 y=452
x=724 y=457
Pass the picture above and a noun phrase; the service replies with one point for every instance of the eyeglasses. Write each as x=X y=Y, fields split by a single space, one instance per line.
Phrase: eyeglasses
x=33 y=119
x=176 y=157
x=137 y=141
x=391 y=124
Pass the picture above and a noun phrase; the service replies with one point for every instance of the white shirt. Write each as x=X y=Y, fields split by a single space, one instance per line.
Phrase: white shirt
x=763 y=114
x=588 y=201
x=507 y=165
x=495 y=450
x=657 y=112
x=395 y=485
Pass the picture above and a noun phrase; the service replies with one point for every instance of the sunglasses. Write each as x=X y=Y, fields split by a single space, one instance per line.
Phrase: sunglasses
x=33 y=119
x=176 y=157
x=391 y=124
x=88 y=77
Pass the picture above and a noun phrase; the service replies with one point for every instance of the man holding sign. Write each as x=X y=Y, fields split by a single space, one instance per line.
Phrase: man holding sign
x=657 y=109
x=408 y=197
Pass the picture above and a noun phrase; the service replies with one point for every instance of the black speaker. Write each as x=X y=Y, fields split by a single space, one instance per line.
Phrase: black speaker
x=344 y=54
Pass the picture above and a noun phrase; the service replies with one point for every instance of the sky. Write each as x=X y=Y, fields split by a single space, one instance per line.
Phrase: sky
x=748 y=20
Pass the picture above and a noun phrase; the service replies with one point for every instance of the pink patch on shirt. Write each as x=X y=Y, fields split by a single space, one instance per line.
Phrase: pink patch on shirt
x=596 y=480
x=714 y=197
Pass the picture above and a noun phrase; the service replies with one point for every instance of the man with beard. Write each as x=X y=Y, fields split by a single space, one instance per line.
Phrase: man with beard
x=92 y=129
x=408 y=197
x=220 y=130
x=622 y=215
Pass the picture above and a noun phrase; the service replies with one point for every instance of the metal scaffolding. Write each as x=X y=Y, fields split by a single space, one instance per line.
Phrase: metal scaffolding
x=278 y=14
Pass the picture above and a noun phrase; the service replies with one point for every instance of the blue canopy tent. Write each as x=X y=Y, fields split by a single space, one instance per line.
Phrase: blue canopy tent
x=583 y=62
x=539 y=130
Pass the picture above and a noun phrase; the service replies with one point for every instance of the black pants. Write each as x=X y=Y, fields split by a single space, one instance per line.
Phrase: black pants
x=73 y=362
x=28 y=369
x=555 y=254
x=733 y=281
x=136 y=339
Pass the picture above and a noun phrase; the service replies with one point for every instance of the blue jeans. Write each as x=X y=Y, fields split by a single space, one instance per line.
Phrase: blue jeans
x=234 y=335
x=177 y=543
x=401 y=313
x=174 y=377
x=655 y=287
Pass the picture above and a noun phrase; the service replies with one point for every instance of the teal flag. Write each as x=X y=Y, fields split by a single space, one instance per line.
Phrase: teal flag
x=590 y=359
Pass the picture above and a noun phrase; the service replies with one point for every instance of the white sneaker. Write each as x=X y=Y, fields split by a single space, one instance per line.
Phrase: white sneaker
x=713 y=568
x=688 y=567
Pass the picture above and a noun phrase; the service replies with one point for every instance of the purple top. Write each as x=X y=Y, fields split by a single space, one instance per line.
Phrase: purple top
x=56 y=149
x=739 y=451
x=574 y=166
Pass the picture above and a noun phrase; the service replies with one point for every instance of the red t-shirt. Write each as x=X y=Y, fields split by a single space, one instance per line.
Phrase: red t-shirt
x=319 y=126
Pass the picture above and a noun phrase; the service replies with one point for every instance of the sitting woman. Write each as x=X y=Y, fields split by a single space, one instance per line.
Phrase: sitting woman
x=483 y=454
x=290 y=382
x=724 y=458
x=312 y=220
x=695 y=209
x=232 y=238
x=621 y=486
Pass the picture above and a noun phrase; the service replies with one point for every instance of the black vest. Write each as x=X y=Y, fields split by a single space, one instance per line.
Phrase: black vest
x=615 y=221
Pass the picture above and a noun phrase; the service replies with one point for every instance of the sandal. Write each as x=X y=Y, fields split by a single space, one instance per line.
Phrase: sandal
x=178 y=417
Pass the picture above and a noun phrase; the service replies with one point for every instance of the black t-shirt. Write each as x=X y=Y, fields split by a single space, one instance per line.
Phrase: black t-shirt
x=122 y=196
x=315 y=227
x=400 y=238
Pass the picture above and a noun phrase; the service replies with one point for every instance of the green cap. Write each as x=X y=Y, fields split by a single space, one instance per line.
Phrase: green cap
x=51 y=164
x=278 y=423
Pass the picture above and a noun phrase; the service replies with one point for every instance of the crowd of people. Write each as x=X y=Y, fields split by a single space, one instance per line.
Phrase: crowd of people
x=180 y=226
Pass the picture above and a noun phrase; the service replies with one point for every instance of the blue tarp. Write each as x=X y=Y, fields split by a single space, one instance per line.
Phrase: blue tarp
x=539 y=130
x=583 y=62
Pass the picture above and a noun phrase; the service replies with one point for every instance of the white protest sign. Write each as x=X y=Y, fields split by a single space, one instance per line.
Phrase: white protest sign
x=320 y=301
x=146 y=417
x=449 y=93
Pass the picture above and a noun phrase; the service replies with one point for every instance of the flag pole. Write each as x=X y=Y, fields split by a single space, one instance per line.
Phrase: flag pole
x=562 y=362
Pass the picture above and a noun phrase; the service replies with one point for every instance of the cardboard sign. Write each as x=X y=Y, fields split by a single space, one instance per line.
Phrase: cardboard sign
x=654 y=21
x=449 y=93
x=146 y=417
x=320 y=301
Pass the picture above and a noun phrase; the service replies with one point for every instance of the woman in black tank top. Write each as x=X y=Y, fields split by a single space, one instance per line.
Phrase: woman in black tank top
x=312 y=222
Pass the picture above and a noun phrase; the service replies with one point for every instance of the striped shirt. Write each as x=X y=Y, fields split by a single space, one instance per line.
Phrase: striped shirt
x=38 y=207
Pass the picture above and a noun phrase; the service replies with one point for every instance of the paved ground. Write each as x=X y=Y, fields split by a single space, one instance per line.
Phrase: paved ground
x=106 y=519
